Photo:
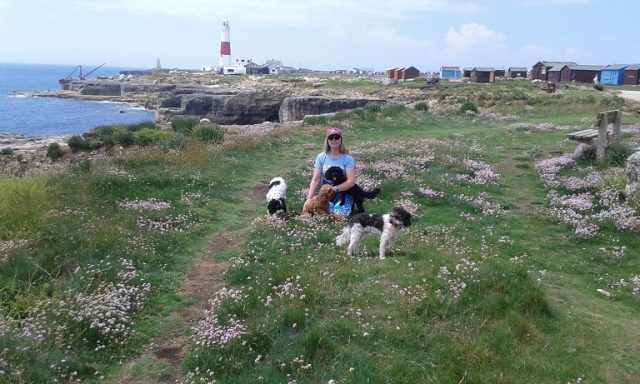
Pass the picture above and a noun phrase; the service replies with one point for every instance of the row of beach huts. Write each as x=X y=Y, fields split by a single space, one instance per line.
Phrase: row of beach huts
x=550 y=71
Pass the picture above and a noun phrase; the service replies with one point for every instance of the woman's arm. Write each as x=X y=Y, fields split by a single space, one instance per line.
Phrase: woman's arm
x=315 y=182
x=351 y=180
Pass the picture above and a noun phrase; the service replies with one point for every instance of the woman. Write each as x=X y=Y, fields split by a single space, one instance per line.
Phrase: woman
x=335 y=155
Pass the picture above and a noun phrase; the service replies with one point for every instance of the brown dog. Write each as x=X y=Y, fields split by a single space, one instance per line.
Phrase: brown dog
x=320 y=202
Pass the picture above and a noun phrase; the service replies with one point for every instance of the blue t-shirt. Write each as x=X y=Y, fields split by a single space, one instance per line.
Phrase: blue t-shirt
x=344 y=161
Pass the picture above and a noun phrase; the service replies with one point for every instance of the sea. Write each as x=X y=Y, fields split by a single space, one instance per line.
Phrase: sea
x=51 y=116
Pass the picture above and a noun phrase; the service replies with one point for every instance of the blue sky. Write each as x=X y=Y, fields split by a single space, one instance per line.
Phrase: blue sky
x=320 y=34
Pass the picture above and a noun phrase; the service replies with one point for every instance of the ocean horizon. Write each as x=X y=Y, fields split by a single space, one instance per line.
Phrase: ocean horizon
x=52 y=116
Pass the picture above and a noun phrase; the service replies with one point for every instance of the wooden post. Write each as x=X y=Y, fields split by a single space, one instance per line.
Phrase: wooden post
x=617 y=122
x=602 y=136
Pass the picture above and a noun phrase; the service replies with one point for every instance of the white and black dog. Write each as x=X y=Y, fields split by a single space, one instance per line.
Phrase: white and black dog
x=276 y=197
x=387 y=226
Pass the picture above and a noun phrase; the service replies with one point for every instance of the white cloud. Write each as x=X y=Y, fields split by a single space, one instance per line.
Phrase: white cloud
x=475 y=41
x=282 y=12
x=387 y=37
x=4 y=3
x=336 y=32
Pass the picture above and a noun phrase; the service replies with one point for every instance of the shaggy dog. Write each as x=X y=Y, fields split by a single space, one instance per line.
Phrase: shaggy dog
x=337 y=177
x=276 y=197
x=387 y=226
x=319 y=203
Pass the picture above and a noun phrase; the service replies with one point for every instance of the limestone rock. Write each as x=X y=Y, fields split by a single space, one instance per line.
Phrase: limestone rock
x=297 y=107
x=632 y=189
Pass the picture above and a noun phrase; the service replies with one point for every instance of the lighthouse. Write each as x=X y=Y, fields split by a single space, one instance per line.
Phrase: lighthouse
x=225 y=45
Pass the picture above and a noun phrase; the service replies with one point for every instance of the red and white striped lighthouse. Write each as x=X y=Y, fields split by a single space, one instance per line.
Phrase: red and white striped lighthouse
x=225 y=45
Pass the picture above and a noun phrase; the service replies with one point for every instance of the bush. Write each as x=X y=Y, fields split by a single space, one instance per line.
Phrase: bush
x=315 y=120
x=210 y=133
x=598 y=87
x=393 y=110
x=78 y=142
x=54 y=151
x=147 y=136
x=6 y=151
x=176 y=141
x=468 y=106
x=125 y=138
x=618 y=154
x=184 y=125
x=421 y=106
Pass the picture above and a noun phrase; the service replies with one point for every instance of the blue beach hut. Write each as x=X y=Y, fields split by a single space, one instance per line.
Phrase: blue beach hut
x=450 y=72
x=613 y=74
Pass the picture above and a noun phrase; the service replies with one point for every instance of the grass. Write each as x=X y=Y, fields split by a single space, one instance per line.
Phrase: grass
x=485 y=286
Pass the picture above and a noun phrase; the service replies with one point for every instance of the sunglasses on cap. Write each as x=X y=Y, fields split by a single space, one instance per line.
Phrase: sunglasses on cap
x=334 y=137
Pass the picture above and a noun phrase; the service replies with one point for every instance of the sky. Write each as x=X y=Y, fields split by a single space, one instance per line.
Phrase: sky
x=321 y=34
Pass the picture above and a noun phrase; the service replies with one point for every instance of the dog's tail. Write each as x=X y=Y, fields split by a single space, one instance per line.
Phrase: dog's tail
x=343 y=238
x=372 y=194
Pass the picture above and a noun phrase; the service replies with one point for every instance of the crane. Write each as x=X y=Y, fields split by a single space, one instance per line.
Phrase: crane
x=81 y=76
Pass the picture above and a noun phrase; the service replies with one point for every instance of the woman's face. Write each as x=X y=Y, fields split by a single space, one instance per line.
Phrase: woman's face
x=334 y=141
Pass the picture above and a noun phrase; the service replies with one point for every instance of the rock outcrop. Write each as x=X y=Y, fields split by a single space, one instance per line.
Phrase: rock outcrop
x=632 y=190
x=296 y=108
x=222 y=100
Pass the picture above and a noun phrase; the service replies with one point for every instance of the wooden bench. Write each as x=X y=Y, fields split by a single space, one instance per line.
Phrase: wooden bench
x=600 y=136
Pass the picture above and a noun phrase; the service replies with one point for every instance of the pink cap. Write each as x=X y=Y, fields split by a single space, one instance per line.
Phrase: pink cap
x=334 y=131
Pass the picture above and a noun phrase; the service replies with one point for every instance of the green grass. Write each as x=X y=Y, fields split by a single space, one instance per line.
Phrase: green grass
x=464 y=297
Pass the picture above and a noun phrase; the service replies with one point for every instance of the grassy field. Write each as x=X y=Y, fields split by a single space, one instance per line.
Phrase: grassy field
x=521 y=266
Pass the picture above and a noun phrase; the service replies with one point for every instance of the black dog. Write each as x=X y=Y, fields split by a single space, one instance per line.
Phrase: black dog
x=337 y=177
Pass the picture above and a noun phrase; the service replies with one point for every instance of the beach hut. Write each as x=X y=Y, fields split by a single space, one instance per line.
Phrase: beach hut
x=541 y=68
x=517 y=73
x=632 y=75
x=450 y=72
x=483 y=75
x=613 y=74
x=407 y=73
x=581 y=73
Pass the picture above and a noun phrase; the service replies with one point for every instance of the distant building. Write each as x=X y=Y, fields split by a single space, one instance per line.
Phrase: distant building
x=466 y=72
x=450 y=72
x=613 y=74
x=541 y=68
x=580 y=73
x=632 y=74
x=517 y=73
x=408 y=73
x=391 y=72
x=483 y=75
x=499 y=73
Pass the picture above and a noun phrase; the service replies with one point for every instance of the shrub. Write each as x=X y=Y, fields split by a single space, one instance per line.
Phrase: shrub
x=184 y=125
x=54 y=151
x=125 y=138
x=598 y=87
x=315 y=120
x=618 y=154
x=421 y=106
x=6 y=151
x=393 y=110
x=468 y=106
x=207 y=132
x=147 y=136
x=78 y=142
x=176 y=141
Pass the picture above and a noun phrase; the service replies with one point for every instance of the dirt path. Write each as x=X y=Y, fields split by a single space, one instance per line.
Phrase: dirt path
x=160 y=360
x=630 y=95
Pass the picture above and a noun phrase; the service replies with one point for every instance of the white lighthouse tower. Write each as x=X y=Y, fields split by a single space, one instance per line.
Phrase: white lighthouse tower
x=225 y=45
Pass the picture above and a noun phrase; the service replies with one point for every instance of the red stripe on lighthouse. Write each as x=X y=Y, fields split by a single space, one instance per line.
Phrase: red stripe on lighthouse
x=225 y=48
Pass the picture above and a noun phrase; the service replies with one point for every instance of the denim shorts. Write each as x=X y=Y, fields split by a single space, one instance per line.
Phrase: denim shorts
x=335 y=205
